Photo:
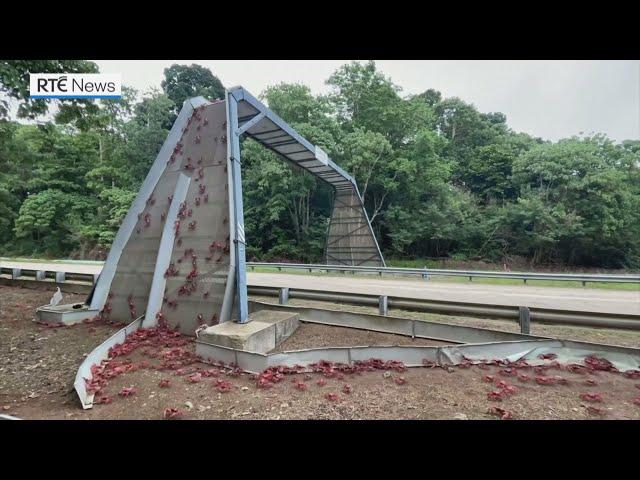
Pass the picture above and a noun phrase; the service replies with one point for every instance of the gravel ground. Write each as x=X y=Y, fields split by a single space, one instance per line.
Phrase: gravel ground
x=311 y=335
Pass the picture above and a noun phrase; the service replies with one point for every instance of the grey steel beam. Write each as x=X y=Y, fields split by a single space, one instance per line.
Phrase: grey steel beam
x=236 y=177
x=246 y=126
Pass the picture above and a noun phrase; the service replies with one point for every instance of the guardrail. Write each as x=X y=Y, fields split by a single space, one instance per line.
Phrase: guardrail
x=46 y=275
x=523 y=315
x=471 y=274
x=425 y=273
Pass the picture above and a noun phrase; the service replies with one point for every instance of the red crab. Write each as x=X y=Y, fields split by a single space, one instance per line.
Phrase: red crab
x=346 y=389
x=332 y=397
x=501 y=412
x=104 y=400
x=547 y=356
x=223 y=385
x=595 y=410
x=590 y=383
x=596 y=363
x=321 y=383
x=575 y=368
x=488 y=378
x=592 y=397
x=172 y=413
x=496 y=396
x=127 y=391
x=542 y=380
x=164 y=383
x=195 y=378
x=400 y=380
x=299 y=385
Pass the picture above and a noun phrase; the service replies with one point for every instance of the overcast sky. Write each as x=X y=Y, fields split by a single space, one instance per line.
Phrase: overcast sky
x=549 y=99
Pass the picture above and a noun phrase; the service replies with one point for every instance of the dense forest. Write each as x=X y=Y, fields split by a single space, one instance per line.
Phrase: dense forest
x=439 y=178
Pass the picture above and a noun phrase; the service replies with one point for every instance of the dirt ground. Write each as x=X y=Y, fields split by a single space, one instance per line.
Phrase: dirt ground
x=310 y=335
x=38 y=365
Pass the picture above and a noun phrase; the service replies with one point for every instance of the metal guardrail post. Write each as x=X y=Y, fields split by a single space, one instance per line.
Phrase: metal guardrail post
x=41 y=275
x=524 y=319
x=16 y=273
x=383 y=305
x=283 y=297
x=60 y=277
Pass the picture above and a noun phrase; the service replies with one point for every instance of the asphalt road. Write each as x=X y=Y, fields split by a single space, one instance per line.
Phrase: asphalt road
x=579 y=299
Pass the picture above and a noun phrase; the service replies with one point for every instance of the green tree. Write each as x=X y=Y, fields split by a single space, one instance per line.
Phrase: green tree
x=14 y=82
x=186 y=81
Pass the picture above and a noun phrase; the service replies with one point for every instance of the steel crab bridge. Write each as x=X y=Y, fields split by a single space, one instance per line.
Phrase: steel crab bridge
x=189 y=213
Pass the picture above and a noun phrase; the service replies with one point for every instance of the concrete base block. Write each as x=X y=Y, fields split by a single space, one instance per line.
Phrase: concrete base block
x=265 y=330
x=66 y=314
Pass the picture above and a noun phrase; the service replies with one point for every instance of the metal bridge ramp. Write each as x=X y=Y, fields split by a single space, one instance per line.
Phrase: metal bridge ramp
x=350 y=240
x=171 y=258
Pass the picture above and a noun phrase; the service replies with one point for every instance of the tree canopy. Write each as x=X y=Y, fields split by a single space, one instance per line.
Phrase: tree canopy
x=439 y=178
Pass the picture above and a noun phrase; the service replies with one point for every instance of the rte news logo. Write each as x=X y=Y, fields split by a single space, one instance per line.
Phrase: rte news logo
x=75 y=85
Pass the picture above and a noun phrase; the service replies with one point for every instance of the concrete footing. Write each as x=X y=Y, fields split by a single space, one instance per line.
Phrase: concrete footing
x=264 y=332
x=67 y=314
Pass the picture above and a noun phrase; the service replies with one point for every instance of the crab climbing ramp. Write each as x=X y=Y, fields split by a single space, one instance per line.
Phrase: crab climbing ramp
x=179 y=255
x=350 y=240
x=171 y=258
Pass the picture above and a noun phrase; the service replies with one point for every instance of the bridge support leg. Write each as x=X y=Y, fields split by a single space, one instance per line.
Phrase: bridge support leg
x=233 y=163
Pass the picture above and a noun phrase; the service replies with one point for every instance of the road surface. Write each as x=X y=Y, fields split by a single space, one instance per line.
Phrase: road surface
x=579 y=299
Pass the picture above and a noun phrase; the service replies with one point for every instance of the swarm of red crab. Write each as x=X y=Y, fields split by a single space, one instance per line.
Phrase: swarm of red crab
x=169 y=347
